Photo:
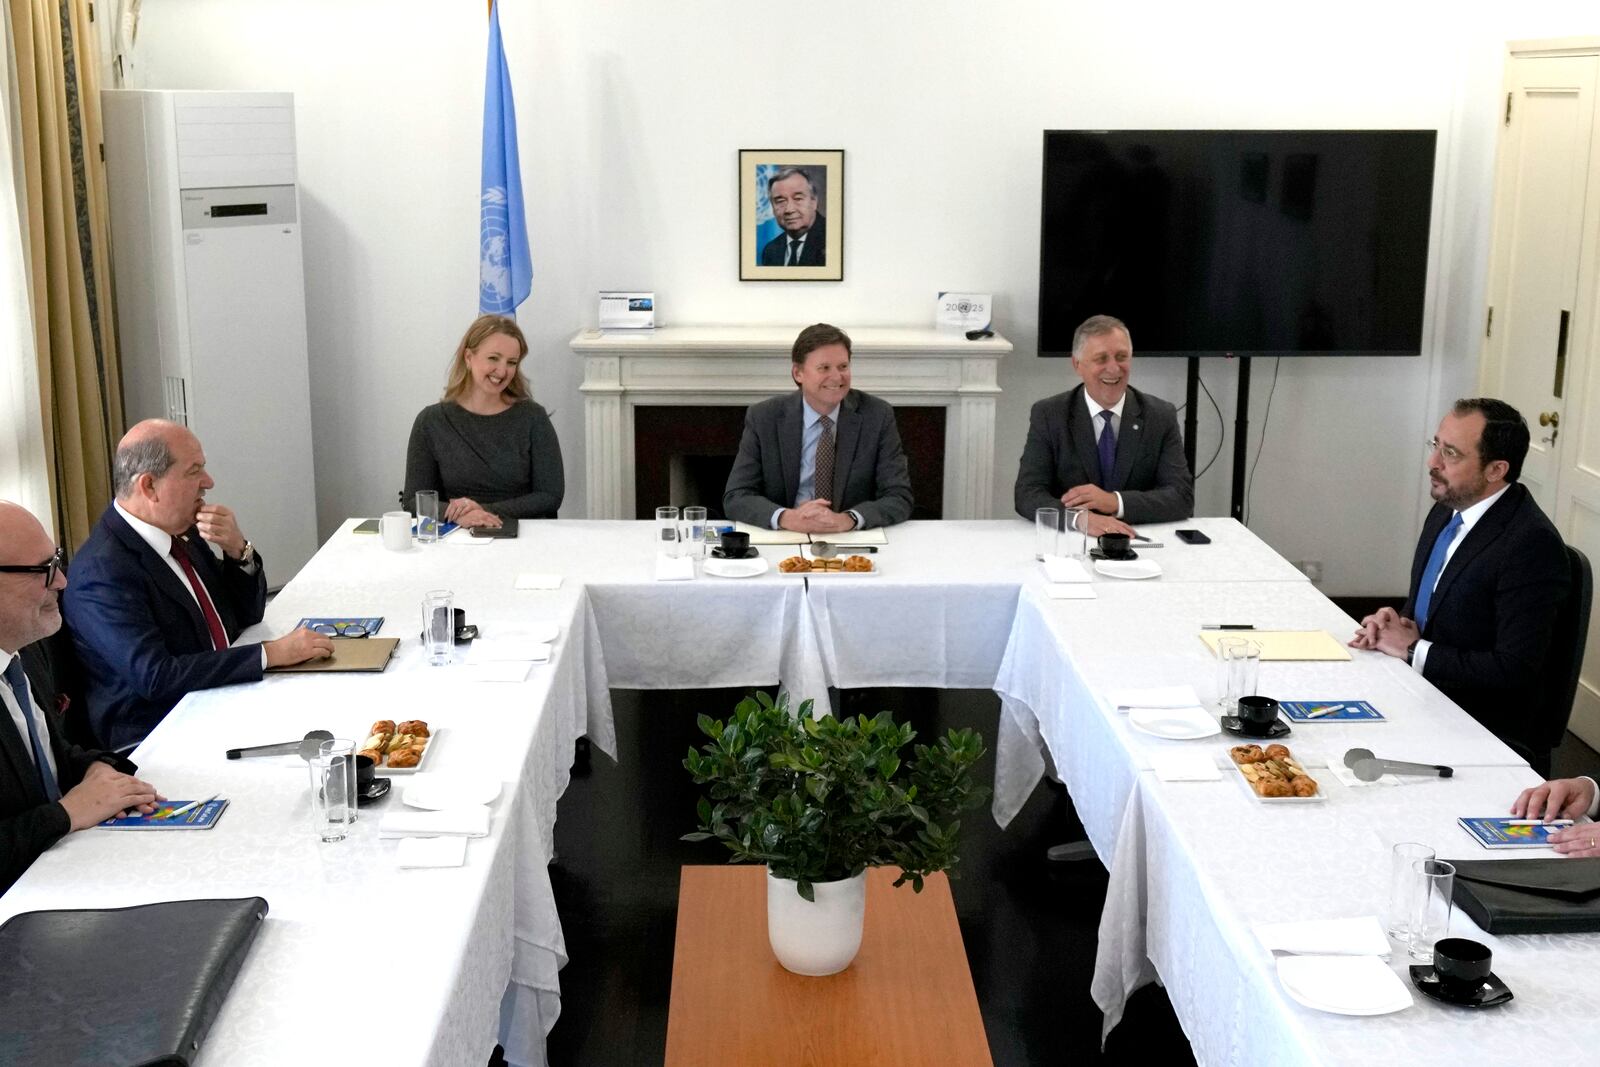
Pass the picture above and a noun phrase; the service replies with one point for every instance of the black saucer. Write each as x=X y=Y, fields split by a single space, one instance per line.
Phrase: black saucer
x=1490 y=993
x=1095 y=553
x=749 y=553
x=379 y=788
x=1278 y=729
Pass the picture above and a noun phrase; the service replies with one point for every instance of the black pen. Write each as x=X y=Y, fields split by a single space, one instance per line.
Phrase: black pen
x=1227 y=626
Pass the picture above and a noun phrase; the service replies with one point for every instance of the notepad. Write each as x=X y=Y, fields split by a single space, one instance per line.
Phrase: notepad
x=1495 y=832
x=203 y=817
x=1284 y=644
x=1330 y=711
x=761 y=535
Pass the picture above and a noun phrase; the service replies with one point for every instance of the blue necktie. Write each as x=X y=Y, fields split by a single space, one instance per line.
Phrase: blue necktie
x=19 y=686
x=1108 y=452
x=1430 y=573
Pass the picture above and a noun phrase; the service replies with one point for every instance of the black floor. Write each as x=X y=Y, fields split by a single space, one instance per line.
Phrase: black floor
x=1029 y=926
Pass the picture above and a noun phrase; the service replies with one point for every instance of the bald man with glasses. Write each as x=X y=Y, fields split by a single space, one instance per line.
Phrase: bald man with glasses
x=1489 y=574
x=48 y=788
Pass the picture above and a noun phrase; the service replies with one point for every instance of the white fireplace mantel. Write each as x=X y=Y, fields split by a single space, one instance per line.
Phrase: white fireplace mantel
x=740 y=365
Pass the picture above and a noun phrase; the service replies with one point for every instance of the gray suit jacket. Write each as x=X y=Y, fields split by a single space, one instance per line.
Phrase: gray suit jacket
x=870 y=477
x=1151 y=473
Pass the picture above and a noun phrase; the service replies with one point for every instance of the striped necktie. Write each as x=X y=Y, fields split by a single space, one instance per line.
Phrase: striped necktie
x=824 y=476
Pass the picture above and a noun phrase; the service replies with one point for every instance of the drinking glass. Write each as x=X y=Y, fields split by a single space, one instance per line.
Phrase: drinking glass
x=693 y=537
x=1074 y=542
x=667 y=531
x=1403 y=884
x=438 y=625
x=1430 y=917
x=427 y=517
x=1046 y=530
x=333 y=789
x=1239 y=668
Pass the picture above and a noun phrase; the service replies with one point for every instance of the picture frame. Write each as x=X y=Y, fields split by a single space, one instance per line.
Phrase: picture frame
x=802 y=238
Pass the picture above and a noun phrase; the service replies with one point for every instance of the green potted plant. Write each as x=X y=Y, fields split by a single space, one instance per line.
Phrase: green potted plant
x=819 y=800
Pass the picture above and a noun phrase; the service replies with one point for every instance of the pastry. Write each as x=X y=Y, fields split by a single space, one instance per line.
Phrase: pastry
x=827 y=564
x=1277 y=752
x=1274 y=787
x=406 y=757
x=418 y=728
x=376 y=743
x=794 y=565
x=857 y=563
x=374 y=754
x=382 y=726
x=1304 y=786
x=1246 y=754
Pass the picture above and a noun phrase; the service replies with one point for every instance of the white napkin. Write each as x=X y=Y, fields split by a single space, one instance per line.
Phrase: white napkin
x=1159 y=696
x=1063 y=569
x=457 y=822
x=674 y=569
x=1362 y=936
x=1345 y=985
x=1066 y=591
x=537 y=581
x=1185 y=767
x=431 y=852
x=509 y=646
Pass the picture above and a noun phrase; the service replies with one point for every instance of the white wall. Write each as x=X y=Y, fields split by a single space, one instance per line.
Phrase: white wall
x=631 y=115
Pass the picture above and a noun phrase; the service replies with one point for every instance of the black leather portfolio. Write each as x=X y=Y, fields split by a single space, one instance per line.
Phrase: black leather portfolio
x=1530 y=896
x=120 y=987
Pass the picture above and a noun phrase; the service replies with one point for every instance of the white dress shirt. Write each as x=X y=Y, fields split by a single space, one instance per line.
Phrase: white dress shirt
x=1095 y=408
x=41 y=722
x=1469 y=519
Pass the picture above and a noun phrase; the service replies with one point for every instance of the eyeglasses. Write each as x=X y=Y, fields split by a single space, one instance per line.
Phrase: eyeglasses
x=49 y=568
x=1451 y=453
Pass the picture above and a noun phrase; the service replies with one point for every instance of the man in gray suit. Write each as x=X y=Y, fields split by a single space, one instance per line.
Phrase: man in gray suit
x=1104 y=445
x=825 y=459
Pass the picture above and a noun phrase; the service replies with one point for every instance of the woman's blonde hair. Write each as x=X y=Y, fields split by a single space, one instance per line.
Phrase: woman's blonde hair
x=459 y=380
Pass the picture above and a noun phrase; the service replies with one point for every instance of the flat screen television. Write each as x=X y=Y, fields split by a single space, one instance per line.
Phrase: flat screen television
x=1238 y=242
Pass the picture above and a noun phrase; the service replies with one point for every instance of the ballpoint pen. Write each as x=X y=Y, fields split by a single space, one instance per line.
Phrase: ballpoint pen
x=1227 y=626
x=1328 y=709
x=175 y=812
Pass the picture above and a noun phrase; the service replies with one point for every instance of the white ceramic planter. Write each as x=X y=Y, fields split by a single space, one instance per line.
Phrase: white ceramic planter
x=820 y=937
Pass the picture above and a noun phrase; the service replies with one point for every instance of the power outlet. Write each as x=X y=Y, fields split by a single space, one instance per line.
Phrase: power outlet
x=1311 y=568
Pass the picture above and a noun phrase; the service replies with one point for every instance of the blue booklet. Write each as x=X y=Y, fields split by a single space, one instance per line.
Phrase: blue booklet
x=201 y=817
x=1330 y=711
x=342 y=625
x=444 y=528
x=1496 y=832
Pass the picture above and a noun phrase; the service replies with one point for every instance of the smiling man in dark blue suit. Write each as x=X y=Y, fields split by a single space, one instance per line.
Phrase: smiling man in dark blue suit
x=152 y=610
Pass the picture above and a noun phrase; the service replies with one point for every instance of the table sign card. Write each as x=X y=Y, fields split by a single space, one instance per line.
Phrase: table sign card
x=963 y=311
x=627 y=311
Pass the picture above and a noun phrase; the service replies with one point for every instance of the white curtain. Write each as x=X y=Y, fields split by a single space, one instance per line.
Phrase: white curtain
x=23 y=476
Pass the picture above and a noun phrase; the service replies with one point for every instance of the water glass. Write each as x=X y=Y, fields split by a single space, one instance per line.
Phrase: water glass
x=333 y=789
x=427 y=517
x=438 y=625
x=1430 y=917
x=1046 y=531
x=1239 y=670
x=693 y=536
x=1404 y=882
x=1074 y=542
x=667 y=532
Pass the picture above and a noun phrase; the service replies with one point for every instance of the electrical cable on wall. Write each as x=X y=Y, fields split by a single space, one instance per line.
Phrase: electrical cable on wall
x=1250 y=482
x=1221 y=427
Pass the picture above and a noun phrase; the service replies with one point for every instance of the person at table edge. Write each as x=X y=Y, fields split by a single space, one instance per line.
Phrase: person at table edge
x=48 y=787
x=782 y=477
x=487 y=448
x=1564 y=798
x=1488 y=576
x=151 y=609
x=1104 y=445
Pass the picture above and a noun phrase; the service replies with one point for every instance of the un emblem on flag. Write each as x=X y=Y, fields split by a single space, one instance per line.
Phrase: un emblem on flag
x=494 y=254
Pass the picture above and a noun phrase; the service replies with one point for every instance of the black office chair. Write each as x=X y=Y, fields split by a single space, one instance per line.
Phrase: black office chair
x=1566 y=659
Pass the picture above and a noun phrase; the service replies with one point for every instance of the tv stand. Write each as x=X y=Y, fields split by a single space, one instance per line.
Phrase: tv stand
x=1241 y=426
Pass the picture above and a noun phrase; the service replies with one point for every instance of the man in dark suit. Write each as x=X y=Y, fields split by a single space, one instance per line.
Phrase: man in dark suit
x=48 y=787
x=804 y=240
x=825 y=459
x=1104 y=445
x=151 y=609
x=1489 y=573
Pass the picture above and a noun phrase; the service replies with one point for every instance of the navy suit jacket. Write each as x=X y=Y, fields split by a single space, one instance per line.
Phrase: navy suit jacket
x=29 y=824
x=870 y=474
x=814 y=253
x=1061 y=452
x=140 y=635
x=1493 y=614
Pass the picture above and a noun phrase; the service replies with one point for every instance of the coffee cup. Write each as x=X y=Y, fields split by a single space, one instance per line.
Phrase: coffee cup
x=735 y=543
x=1115 y=545
x=1461 y=963
x=1257 y=714
x=394 y=529
x=366 y=770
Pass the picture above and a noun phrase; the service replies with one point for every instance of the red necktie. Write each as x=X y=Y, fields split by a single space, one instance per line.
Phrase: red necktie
x=219 y=636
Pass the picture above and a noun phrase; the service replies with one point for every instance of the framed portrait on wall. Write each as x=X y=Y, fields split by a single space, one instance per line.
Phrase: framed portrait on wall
x=791 y=215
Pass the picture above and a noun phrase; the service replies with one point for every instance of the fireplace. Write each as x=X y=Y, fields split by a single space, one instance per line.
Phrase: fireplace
x=664 y=409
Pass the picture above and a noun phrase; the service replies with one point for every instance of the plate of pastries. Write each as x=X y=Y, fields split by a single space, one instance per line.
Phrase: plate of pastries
x=399 y=748
x=1273 y=774
x=859 y=566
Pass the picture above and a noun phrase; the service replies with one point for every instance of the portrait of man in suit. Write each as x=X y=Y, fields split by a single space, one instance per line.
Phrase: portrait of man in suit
x=1104 y=445
x=823 y=459
x=795 y=197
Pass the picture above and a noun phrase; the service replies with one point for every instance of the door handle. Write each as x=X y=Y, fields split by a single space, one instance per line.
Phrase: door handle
x=1549 y=418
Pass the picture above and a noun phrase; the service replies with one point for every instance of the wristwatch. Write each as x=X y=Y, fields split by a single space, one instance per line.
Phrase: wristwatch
x=1411 y=650
x=247 y=558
